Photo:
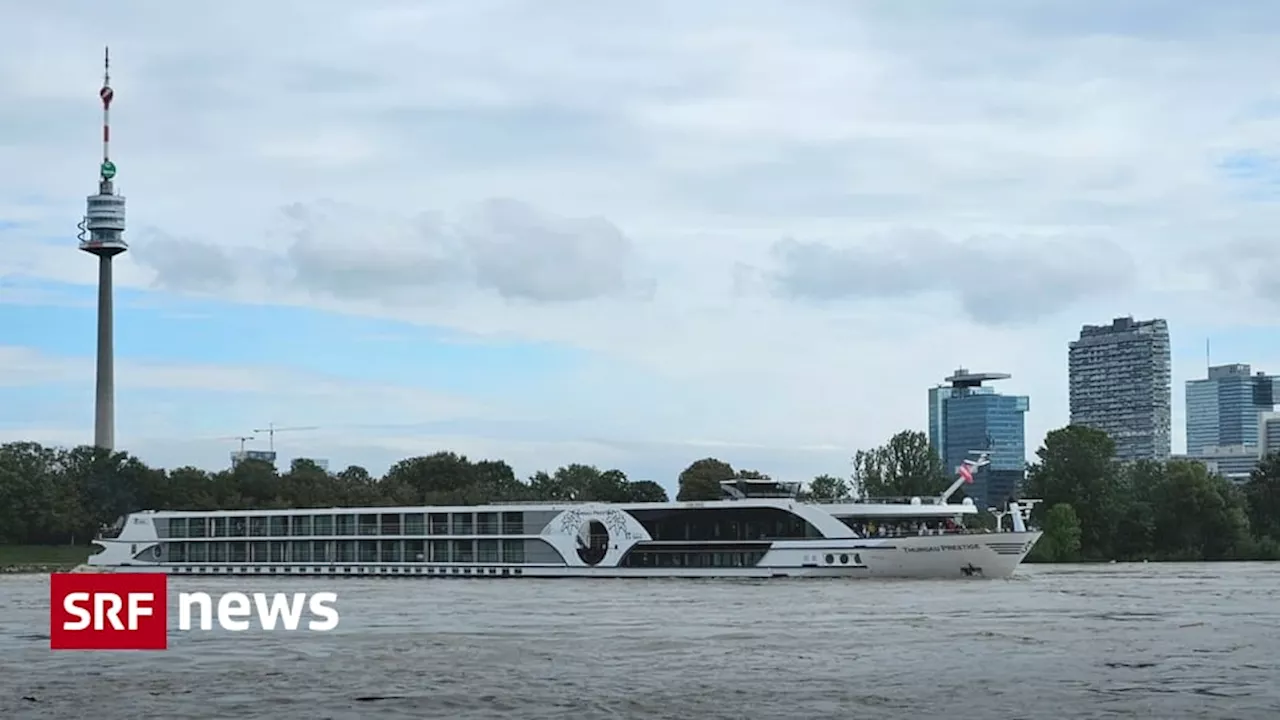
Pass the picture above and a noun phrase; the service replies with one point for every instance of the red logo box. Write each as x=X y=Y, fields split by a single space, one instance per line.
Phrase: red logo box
x=108 y=611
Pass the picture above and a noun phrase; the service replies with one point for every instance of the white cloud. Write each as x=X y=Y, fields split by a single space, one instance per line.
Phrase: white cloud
x=1072 y=149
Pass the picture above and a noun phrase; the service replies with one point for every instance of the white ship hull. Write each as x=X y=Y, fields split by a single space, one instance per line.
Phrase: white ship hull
x=950 y=556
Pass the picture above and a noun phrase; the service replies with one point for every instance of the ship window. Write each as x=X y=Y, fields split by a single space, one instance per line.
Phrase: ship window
x=238 y=551
x=368 y=551
x=692 y=555
x=177 y=552
x=463 y=523
x=198 y=552
x=257 y=526
x=300 y=525
x=513 y=551
x=487 y=523
x=279 y=526
x=440 y=551
x=829 y=558
x=368 y=524
x=391 y=550
x=464 y=551
x=177 y=527
x=415 y=551
x=857 y=558
x=390 y=523
x=724 y=524
x=439 y=523
x=844 y=559
x=300 y=551
x=258 y=552
x=344 y=525
x=414 y=524
x=237 y=527
x=346 y=550
x=277 y=550
x=487 y=551
x=197 y=527
x=320 y=551
x=513 y=523
x=218 y=526
x=322 y=525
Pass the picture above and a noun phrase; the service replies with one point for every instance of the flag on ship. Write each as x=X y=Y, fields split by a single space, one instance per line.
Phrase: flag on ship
x=966 y=473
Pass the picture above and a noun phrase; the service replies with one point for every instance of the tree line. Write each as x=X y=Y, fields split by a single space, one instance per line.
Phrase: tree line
x=51 y=495
x=1093 y=508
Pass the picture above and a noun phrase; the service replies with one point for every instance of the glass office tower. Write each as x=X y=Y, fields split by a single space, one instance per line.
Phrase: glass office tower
x=966 y=416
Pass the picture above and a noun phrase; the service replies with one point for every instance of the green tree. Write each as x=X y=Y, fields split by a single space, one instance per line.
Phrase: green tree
x=646 y=491
x=1199 y=516
x=906 y=466
x=1262 y=491
x=701 y=480
x=827 y=487
x=1076 y=468
x=1061 y=539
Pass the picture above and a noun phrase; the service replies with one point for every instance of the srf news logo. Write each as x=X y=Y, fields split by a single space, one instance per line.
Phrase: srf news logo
x=129 y=611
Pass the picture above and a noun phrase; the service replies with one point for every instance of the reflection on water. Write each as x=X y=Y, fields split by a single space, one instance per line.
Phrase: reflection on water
x=1155 y=641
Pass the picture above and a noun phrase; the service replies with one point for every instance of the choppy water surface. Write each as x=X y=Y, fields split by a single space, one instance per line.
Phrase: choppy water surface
x=1152 y=641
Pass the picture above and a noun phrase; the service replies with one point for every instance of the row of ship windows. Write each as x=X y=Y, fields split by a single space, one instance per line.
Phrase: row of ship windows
x=482 y=523
x=304 y=551
x=747 y=558
x=431 y=571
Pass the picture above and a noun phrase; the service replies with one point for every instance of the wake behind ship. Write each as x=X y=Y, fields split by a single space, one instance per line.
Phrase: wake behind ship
x=761 y=529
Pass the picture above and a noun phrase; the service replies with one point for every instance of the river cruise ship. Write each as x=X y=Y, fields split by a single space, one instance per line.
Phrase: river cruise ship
x=761 y=529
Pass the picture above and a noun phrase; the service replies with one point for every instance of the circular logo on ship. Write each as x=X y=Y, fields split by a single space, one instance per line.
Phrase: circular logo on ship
x=593 y=541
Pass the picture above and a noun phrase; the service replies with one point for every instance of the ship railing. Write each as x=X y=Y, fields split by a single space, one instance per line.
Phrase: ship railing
x=905 y=500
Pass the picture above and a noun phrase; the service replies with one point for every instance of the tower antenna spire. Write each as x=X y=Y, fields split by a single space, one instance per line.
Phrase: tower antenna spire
x=102 y=234
x=108 y=170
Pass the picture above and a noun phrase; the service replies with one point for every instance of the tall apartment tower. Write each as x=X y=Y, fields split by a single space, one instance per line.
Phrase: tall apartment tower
x=1120 y=382
x=964 y=416
x=1223 y=408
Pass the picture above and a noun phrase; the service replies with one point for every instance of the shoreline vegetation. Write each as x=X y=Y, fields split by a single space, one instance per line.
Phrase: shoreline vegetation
x=1093 y=509
x=27 y=559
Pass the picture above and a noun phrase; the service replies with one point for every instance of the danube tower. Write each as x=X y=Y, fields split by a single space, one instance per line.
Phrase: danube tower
x=102 y=234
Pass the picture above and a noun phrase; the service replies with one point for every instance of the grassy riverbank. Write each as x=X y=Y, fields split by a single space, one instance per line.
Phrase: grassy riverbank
x=41 y=558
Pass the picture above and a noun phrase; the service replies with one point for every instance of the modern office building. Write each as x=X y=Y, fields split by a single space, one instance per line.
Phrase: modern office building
x=965 y=416
x=1119 y=382
x=1223 y=408
x=1233 y=462
x=1268 y=434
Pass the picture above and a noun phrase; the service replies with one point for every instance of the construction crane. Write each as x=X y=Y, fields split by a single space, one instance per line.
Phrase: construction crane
x=242 y=438
x=271 y=431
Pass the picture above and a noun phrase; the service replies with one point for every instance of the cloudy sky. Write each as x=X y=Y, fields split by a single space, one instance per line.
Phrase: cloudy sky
x=631 y=234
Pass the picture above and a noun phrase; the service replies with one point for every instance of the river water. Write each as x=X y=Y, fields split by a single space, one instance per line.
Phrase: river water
x=1149 y=641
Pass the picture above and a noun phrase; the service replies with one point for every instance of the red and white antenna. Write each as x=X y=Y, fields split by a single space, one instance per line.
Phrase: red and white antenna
x=107 y=95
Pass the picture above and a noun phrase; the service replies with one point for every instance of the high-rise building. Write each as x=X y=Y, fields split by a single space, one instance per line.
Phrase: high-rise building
x=1223 y=408
x=1119 y=382
x=966 y=416
x=1268 y=434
